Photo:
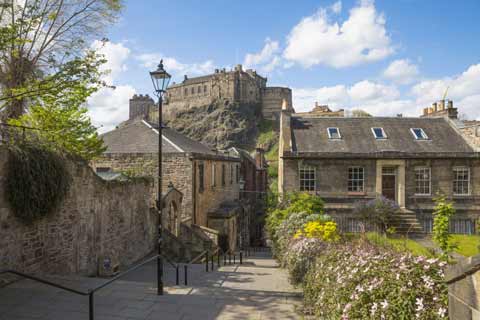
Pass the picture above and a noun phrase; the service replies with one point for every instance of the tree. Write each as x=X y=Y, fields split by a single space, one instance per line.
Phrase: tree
x=38 y=37
x=441 y=223
x=59 y=113
x=358 y=113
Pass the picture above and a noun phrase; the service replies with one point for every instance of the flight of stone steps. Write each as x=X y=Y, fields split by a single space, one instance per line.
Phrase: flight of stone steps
x=406 y=222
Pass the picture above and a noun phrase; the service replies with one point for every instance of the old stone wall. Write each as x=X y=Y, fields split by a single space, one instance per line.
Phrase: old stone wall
x=272 y=98
x=98 y=219
x=176 y=167
x=464 y=289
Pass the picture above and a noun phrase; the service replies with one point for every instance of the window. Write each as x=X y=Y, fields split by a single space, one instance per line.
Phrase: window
x=214 y=174
x=223 y=175
x=334 y=133
x=186 y=92
x=103 y=169
x=201 y=177
x=238 y=174
x=307 y=178
x=231 y=174
x=461 y=181
x=419 y=134
x=379 y=133
x=205 y=88
x=192 y=90
x=422 y=181
x=356 y=178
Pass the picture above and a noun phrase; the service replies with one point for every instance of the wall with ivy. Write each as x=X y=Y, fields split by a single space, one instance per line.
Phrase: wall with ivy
x=95 y=219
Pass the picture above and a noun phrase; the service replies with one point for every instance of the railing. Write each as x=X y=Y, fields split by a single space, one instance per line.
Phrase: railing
x=90 y=292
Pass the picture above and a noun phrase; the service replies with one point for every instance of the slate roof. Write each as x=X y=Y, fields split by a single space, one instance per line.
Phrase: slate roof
x=142 y=137
x=309 y=135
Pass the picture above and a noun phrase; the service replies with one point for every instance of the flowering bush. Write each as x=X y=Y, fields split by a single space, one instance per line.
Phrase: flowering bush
x=358 y=281
x=378 y=211
x=327 y=231
x=301 y=254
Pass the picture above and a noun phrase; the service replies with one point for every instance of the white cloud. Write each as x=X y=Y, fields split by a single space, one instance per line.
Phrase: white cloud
x=401 y=71
x=178 y=69
x=265 y=60
x=463 y=89
x=108 y=107
x=116 y=55
x=318 y=40
x=376 y=98
x=336 y=7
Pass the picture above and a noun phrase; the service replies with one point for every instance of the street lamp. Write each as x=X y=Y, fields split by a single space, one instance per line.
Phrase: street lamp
x=160 y=80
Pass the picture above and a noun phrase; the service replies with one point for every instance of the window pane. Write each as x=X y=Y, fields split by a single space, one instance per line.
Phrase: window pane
x=307 y=179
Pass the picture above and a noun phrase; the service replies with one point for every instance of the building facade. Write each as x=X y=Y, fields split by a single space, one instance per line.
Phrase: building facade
x=235 y=86
x=208 y=180
x=407 y=160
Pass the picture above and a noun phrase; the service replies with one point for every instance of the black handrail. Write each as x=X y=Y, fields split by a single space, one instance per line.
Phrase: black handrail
x=90 y=292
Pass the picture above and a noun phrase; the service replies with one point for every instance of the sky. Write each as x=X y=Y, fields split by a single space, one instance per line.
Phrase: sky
x=385 y=57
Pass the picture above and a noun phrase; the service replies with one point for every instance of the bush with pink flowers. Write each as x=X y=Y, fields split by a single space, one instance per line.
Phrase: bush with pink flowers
x=357 y=280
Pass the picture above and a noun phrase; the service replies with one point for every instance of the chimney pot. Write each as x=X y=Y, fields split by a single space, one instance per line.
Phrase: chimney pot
x=185 y=77
x=450 y=104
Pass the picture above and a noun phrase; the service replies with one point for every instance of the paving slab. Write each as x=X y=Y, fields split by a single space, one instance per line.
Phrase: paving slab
x=257 y=289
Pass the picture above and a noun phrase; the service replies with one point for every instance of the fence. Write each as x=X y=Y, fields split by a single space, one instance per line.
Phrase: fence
x=355 y=225
x=459 y=226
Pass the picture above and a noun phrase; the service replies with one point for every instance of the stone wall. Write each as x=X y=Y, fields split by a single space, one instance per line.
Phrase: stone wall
x=472 y=135
x=272 y=98
x=97 y=220
x=463 y=281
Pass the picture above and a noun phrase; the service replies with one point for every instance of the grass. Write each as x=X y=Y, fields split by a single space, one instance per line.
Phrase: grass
x=467 y=245
x=399 y=244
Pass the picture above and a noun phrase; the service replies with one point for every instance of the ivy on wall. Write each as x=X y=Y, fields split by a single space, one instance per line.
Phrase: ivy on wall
x=37 y=181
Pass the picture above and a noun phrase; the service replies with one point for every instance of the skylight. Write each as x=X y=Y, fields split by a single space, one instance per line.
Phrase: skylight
x=379 y=133
x=334 y=133
x=419 y=134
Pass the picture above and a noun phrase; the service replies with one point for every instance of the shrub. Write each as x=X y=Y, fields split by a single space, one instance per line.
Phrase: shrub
x=358 y=281
x=378 y=211
x=441 y=222
x=300 y=256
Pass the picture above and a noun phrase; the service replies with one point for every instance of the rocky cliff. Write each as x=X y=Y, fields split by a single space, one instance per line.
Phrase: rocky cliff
x=220 y=125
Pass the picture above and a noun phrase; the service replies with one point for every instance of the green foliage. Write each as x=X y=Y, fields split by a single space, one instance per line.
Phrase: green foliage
x=378 y=210
x=58 y=111
x=37 y=181
x=466 y=245
x=399 y=244
x=355 y=280
x=441 y=224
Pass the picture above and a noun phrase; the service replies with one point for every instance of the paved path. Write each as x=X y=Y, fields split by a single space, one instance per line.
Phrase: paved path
x=258 y=289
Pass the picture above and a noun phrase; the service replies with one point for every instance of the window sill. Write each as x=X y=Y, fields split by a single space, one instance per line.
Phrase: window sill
x=422 y=196
x=351 y=193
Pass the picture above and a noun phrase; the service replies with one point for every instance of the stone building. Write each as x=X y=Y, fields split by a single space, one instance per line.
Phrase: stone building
x=208 y=180
x=254 y=180
x=408 y=160
x=235 y=86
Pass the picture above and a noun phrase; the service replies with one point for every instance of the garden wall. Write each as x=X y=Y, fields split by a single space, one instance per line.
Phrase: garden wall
x=97 y=220
x=464 y=289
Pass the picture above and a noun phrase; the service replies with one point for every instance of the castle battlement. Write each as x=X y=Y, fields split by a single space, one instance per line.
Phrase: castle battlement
x=236 y=86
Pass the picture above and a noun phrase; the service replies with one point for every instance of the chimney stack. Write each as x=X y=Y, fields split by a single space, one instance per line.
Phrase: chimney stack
x=260 y=157
x=185 y=78
x=441 y=105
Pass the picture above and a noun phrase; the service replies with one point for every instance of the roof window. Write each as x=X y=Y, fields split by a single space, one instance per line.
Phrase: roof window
x=334 y=133
x=379 y=133
x=419 y=134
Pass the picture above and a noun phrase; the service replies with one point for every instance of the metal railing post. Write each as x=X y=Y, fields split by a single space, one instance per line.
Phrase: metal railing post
x=206 y=261
x=211 y=262
x=229 y=258
x=178 y=276
x=91 y=301
x=218 y=259
x=185 y=269
x=234 y=254
x=241 y=257
x=224 y=259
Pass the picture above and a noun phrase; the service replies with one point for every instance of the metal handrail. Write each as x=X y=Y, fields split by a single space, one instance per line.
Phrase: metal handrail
x=90 y=292
x=197 y=257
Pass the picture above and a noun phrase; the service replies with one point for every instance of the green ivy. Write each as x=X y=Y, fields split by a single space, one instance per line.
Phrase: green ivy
x=37 y=181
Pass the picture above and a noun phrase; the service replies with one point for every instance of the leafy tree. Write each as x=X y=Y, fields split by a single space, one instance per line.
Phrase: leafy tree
x=37 y=38
x=441 y=223
x=59 y=113
x=360 y=113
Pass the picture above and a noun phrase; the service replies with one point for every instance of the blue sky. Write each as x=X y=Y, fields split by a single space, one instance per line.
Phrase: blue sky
x=386 y=57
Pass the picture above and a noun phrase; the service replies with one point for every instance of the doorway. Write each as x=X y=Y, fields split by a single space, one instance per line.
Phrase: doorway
x=389 y=183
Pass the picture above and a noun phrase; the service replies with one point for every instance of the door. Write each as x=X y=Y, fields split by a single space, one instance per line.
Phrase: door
x=389 y=183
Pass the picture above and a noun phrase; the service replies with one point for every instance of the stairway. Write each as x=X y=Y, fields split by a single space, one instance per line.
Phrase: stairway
x=405 y=221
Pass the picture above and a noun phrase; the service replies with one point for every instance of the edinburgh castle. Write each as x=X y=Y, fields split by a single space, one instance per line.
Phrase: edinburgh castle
x=245 y=87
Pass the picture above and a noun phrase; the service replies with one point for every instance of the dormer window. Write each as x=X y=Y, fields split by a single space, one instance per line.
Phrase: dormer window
x=379 y=133
x=334 y=133
x=419 y=134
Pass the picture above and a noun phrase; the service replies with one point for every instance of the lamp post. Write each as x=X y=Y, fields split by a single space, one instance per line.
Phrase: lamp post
x=160 y=80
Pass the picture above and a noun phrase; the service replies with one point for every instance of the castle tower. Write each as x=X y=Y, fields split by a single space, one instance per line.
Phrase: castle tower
x=140 y=106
